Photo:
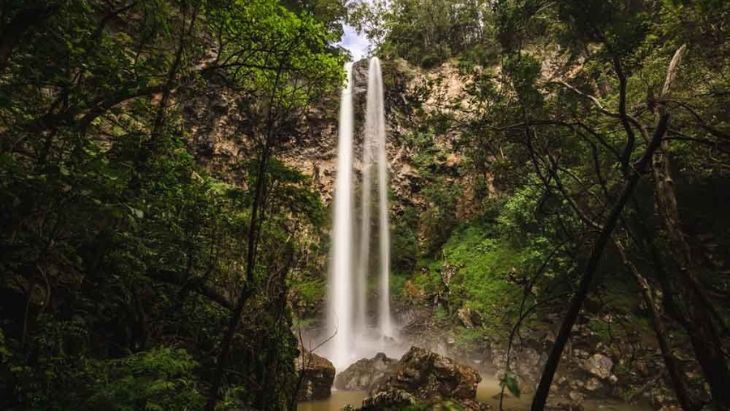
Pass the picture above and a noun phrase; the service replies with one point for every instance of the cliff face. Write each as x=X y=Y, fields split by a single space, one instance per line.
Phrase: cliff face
x=221 y=137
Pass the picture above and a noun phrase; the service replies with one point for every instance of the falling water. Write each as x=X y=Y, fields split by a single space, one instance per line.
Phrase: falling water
x=363 y=256
x=375 y=124
x=339 y=314
x=347 y=296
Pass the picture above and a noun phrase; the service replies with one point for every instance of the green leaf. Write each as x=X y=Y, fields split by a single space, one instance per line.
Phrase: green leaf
x=136 y=212
x=510 y=381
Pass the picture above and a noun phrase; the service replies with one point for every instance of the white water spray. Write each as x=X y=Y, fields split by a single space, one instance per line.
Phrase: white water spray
x=339 y=313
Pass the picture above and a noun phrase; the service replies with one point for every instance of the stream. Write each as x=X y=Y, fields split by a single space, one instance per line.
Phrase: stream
x=486 y=392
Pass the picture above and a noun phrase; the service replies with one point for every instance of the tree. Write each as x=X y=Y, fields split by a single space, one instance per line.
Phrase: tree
x=118 y=247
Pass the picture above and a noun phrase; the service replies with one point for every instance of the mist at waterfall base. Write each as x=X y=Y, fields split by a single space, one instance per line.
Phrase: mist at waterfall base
x=360 y=325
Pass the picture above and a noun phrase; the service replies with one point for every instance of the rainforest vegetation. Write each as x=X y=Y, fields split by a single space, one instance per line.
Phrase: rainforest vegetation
x=572 y=192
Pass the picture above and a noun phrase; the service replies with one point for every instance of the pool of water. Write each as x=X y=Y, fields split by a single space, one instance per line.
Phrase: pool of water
x=486 y=392
x=335 y=402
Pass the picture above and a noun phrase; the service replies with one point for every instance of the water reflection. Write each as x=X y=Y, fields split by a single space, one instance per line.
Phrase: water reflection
x=335 y=402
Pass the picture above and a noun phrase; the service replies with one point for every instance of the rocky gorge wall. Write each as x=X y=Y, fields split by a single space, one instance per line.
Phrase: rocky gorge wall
x=221 y=139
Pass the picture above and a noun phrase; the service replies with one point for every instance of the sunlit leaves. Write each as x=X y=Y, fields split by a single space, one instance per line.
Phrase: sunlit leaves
x=267 y=48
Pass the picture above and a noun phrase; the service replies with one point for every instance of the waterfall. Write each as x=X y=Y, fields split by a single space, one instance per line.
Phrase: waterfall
x=347 y=325
x=375 y=126
x=363 y=255
x=339 y=312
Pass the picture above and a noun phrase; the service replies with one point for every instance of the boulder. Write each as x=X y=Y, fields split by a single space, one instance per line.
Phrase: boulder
x=397 y=400
x=317 y=374
x=593 y=384
x=576 y=397
x=361 y=375
x=599 y=365
x=388 y=400
x=428 y=375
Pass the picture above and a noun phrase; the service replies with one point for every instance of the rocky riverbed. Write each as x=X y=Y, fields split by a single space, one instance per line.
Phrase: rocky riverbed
x=590 y=372
x=420 y=377
x=428 y=379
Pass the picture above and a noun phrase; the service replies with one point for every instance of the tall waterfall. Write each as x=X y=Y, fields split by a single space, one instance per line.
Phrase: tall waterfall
x=339 y=313
x=363 y=255
x=347 y=320
x=375 y=126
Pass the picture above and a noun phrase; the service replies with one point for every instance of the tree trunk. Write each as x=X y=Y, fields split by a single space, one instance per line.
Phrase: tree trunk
x=703 y=334
x=669 y=303
x=248 y=287
x=252 y=245
x=543 y=388
x=675 y=374
x=640 y=167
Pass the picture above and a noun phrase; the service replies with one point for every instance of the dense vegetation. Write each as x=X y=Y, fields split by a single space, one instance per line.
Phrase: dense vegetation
x=593 y=148
x=582 y=176
x=125 y=267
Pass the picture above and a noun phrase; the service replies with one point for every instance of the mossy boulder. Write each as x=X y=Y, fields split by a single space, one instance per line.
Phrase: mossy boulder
x=361 y=375
x=316 y=376
x=424 y=377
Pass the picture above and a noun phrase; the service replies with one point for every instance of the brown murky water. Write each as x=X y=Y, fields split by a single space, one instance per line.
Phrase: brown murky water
x=335 y=402
x=486 y=392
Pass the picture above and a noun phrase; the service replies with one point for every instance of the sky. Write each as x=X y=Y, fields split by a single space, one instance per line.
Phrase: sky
x=356 y=43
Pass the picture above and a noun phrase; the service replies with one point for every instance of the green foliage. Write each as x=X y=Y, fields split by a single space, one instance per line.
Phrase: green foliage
x=482 y=264
x=397 y=284
x=440 y=314
x=468 y=338
x=440 y=219
x=427 y=278
x=510 y=381
x=546 y=142
x=116 y=242
x=405 y=241
x=426 y=33
x=161 y=379
x=118 y=247
x=308 y=293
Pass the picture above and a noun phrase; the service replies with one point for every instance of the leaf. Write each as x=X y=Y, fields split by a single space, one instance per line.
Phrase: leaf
x=136 y=212
x=510 y=381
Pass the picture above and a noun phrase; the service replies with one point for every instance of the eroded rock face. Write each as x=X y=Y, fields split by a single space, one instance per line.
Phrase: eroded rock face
x=317 y=374
x=361 y=375
x=427 y=375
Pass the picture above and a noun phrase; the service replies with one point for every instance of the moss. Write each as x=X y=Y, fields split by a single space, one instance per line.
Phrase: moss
x=467 y=338
x=481 y=266
x=306 y=293
x=397 y=284
x=440 y=314
x=601 y=329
